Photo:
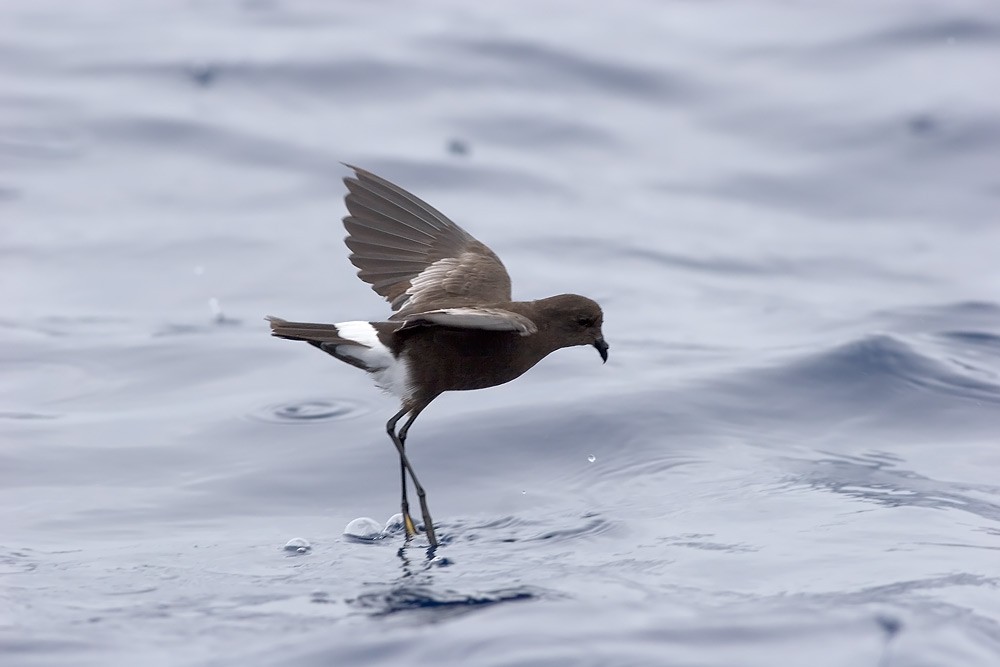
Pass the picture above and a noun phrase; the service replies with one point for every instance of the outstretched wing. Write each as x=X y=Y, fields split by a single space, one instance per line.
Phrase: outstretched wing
x=413 y=255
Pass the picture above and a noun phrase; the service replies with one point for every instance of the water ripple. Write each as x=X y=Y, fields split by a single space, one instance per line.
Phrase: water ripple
x=515 y=529
x=925 y=34
x=873 y=365
x=305 y=412
x=546 y=64
x=438 y=602
x=14 y=414
x=879 y=479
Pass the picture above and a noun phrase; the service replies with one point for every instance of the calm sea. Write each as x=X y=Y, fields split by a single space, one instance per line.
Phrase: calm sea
x=789 y=210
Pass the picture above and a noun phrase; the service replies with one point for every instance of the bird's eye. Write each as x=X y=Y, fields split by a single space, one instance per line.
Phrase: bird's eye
x=585 y=321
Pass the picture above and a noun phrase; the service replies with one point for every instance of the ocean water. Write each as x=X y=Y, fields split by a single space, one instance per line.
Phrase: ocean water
x=789 y=211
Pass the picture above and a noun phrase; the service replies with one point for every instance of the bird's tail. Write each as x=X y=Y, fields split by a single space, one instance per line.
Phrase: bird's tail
x=330 y=339
x=307 y=331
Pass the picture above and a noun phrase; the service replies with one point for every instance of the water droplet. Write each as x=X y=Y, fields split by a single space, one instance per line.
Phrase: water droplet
x=524 y=493
x=591 y=458
x=199 y=270
x=458 y=147
x=204 y=74
x=298 y=545
x=365 y=529
x=217 y=314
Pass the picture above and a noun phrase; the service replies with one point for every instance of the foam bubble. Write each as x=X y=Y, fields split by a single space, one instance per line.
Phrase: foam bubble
x=298 y=545
x=364 y=528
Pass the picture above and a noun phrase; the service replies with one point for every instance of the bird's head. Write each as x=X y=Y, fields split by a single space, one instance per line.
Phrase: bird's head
x=578 y=320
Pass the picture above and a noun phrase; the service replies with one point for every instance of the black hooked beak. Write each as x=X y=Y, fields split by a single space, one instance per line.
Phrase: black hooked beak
x=602 y=349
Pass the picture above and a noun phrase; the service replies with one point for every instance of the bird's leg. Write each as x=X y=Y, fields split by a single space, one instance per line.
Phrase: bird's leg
x=411 y=529
x=390 y=427
x=421 y=494
x=429 y=526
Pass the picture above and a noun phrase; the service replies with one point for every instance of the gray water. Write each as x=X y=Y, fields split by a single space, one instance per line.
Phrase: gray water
x=789 y=212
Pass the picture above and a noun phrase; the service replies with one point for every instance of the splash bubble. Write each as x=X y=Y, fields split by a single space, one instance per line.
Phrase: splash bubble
x=591 y=458
x=394 y=524
x=298 y=545
x=364 y=528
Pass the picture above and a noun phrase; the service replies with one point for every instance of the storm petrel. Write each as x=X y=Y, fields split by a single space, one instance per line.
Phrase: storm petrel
x=455 y=326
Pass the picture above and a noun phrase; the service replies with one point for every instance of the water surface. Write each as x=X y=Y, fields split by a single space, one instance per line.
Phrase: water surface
x=788 y=211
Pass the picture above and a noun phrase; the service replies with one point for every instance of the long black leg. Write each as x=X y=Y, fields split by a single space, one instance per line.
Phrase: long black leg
x=428 y=524
x=390 y=428
x=405 y=504
x=421 y=494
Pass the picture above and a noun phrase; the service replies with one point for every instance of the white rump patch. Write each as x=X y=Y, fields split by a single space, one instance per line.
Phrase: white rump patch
x=391 y=374
x=490 y=319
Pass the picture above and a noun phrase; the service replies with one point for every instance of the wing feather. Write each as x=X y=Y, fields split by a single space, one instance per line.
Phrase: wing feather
x=491 y=319
x=413 y=255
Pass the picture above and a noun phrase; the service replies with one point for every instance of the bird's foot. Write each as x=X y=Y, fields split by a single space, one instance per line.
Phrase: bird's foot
x=411 y=530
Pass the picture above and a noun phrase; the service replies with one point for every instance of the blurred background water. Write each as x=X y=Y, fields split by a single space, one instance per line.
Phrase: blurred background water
x=788 y=210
